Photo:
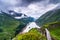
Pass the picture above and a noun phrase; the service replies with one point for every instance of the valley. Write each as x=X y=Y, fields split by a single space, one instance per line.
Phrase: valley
x=29 y=19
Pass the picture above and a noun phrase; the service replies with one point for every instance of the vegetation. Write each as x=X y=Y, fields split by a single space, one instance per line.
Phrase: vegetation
x=50 y=16
x=51 y=21
x=33 y=34
x=54 y=29
x=8 y=26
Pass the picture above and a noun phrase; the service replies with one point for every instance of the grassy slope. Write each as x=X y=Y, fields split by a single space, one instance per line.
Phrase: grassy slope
x=50 y=16
x=33 y=34
x=49 y=20
x=54 y=29
x=8 y=26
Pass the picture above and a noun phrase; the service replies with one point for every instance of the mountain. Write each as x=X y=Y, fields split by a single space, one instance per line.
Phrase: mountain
x=8 y=26
x=54 y=29
x=50 y=16
x=16 y=14
x=21 y=17
x=50 y=26
x=50 y=21
x=26 y=20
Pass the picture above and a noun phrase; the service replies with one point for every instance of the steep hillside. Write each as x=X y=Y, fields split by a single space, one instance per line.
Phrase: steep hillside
x=50 y=16
x=54 y=29
x=8 y=26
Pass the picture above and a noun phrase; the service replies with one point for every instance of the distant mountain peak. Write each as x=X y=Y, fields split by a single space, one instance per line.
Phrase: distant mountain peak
x=17 y=15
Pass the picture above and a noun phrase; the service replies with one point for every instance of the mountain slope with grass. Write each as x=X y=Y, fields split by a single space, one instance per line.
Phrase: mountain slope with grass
x=54 y=29
x=8 y=26
x=50 y=16
x=51 y=21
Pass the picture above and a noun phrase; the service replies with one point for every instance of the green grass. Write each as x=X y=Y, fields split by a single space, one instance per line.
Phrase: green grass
x=54 y=29
x=33 y=34
x=8 y=26
x=55 y=33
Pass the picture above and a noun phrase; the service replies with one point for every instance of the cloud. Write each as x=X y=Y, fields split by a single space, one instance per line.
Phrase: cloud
x=54 y=1
x=33 y=8
x=11 y=2
x=27 y=2
x=5 y=4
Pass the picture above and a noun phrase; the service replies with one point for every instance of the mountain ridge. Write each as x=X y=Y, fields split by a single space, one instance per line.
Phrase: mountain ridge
x=50 y=16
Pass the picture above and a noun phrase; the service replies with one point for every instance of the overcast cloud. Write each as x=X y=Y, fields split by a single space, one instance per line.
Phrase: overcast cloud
x=33 y=8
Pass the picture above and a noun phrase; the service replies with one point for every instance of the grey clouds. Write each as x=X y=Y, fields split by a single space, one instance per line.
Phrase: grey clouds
x=34 y=8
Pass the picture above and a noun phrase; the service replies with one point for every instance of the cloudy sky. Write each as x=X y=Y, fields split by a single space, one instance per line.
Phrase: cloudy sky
x=33 y=8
